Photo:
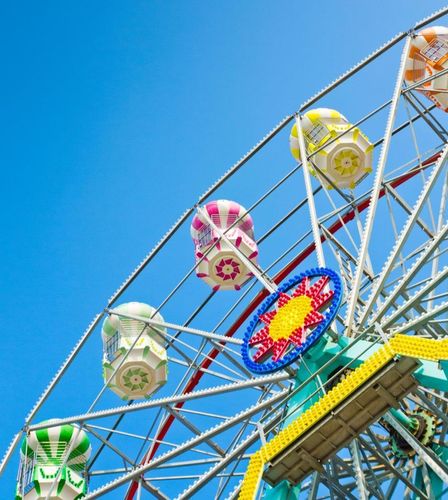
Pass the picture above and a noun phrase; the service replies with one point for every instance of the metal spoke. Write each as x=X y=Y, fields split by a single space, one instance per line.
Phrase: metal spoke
x=350 y=315
x=309 y=193
x=404 y=234
x=186 y=446
x=411 y=273
x=164 y=324
x=164 y=401
x=359 y=474
x=391 y=468
x=415 y=299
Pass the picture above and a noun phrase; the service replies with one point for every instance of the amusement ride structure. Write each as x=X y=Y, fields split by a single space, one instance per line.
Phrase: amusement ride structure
x=303 y=351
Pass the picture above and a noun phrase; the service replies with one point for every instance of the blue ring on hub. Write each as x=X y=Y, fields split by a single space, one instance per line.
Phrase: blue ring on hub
x=330 y=314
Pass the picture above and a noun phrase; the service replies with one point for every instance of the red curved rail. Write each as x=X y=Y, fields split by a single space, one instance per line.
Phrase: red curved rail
x=196 y=377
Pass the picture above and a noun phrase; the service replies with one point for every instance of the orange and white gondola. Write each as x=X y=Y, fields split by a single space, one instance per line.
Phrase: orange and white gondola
x=428 y=55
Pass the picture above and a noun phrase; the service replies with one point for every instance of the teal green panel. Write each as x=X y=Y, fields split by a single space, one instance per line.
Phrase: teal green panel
x=431 y=376
x=356 y=354
x=283 y=491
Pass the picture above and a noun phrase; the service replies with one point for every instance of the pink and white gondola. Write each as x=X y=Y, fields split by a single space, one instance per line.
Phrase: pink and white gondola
x=219 y=264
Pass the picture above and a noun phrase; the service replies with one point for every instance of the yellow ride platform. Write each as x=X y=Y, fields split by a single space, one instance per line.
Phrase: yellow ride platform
x=351 y=417
x=340 y=415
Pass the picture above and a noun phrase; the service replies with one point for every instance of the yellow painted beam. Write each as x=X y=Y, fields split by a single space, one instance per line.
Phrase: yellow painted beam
x=417 y=347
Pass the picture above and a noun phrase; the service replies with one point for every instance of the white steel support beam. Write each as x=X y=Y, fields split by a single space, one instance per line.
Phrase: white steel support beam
x=156 y=403
x=116 y=450
x=423 y=319
x=172 y=326
x=415 y=299
x=357 y=465
x=405 y=233
x=309 y=193
x=404 y=205
x=142 y=469
x=362 y=256
x=12 y=446
x=314 y=486
x=412 y=271
x=195 y=430
x=214 y=470
x=146 y=439
x=440 y=222
x=336 y=490
x=383 y=460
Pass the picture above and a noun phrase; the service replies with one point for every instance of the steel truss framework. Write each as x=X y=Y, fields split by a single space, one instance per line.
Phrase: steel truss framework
x=388 y=241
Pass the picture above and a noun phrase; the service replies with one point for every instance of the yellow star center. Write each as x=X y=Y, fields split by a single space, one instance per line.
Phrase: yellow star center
x=289 y=317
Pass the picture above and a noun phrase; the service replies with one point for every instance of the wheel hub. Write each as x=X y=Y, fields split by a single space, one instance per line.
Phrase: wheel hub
x=424 y=431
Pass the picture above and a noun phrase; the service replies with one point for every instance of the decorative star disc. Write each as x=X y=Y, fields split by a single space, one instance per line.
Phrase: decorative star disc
x=276 y=337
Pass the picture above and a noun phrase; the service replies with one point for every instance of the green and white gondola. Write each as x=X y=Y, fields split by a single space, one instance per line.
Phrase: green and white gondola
x=53 y=463
x=134 y=358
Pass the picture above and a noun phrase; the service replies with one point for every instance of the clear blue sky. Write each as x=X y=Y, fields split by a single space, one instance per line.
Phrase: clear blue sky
x=115 y=117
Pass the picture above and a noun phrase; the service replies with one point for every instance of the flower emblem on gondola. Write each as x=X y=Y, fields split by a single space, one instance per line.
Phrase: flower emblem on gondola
x=136 y=379
x=227 y=269
x=288 y=324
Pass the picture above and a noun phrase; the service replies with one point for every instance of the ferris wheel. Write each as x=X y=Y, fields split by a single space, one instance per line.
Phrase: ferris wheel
x=298 y=347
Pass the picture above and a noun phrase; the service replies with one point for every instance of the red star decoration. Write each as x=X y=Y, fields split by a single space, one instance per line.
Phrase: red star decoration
x=319 y=299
